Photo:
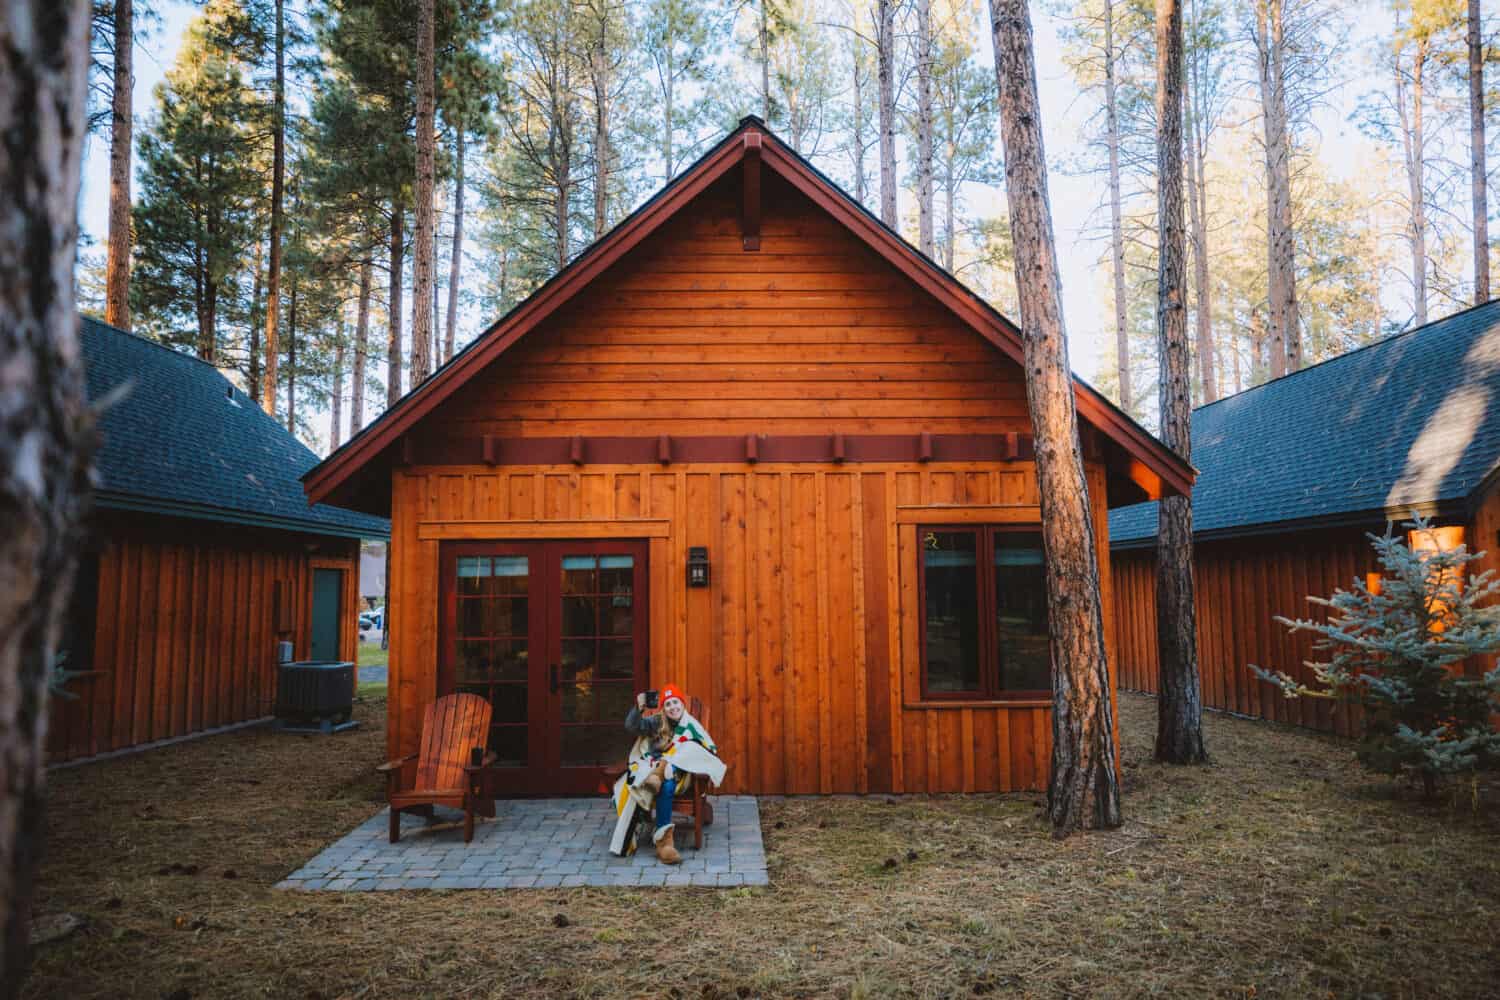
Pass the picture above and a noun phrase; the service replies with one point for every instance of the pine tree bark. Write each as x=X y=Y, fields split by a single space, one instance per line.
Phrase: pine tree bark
x=44 y=418
x=361 y=349
x=599 y=77
x=253 y=359
x=765 y=62
x=1116 y=226
x=857 y=65
x=1477 y=180
x=393 y=305
x=885 y=54
x=278 y=184
x=924 y=127
x=336 y=403
x=455 y=265
x=117 y=265
x=1285 y=330
x=423 y=256
x=1414 y=150
x=1197 y=198
x=291 y=364
x=1084 y=792
x=1179 y=709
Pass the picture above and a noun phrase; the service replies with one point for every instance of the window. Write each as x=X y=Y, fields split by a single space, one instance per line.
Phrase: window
x=983 y=613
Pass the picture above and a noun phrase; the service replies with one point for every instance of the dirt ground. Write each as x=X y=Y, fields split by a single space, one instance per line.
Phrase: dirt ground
x=1281 y=870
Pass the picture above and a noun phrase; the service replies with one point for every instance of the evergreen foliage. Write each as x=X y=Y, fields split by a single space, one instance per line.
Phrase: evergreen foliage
x=1399 y=653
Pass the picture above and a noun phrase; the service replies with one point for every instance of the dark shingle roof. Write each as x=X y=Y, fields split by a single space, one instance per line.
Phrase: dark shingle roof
x=1411 y=420
x=181 y=443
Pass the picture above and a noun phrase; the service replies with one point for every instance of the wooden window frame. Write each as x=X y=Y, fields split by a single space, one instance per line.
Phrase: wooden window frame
x=989 y=690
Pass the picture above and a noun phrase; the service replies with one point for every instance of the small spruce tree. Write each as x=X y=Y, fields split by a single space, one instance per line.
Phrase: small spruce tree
x=1399 y=654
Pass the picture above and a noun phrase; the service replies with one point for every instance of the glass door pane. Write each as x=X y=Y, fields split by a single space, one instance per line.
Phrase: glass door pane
x=597 y=638
x=492 y=645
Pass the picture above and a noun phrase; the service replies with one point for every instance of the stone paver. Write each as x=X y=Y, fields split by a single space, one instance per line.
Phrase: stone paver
x=536 y=843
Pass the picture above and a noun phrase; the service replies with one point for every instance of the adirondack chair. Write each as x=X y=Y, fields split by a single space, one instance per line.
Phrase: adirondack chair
x=454 y=729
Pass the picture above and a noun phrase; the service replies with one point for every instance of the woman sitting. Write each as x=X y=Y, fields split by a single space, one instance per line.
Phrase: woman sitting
x=671 y=746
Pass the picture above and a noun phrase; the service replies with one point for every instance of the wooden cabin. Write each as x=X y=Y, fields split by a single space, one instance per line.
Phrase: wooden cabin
x=202 y=556
x=751 y=442
x=1293 y=474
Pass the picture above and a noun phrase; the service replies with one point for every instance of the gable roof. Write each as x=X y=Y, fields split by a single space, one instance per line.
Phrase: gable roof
x=357 y=469
x=1408 y=423
x=183 y=441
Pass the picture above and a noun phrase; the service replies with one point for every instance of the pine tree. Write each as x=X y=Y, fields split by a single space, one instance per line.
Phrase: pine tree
x=198 y=213
x=1398 y=651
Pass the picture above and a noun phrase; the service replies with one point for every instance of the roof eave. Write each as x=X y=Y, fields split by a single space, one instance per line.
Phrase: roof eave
x=115 y=500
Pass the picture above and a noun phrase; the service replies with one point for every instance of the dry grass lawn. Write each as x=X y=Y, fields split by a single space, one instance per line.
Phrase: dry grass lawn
x=1282 y=870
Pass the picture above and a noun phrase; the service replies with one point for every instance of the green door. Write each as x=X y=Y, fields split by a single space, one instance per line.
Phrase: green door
x=328 y=592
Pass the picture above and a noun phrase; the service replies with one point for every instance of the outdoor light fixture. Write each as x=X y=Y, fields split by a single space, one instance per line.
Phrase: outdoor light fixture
x=697 y=568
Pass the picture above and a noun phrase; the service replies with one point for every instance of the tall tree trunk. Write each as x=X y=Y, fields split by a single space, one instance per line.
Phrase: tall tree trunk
x=44 y=418
x=455 y=265
x=859 y=116
x=336 y=404
x=117 y=267
x=1084 y=792
x=423 y=258
x=253 y=359
x=291 y=364
x=924 y=127
x=950 y=210
x=361 y=349
x=1179 y=708
x=564 y=171
x=668 y=111
x=208 y=341
x=1197 y=199
x=1285 y=332
x=599 y=76
x=1116 y=226
x=1477 y=180
x=765 y=62
x=885 y=54
x=1415 y=152
x=393 y=305
x=278 y=180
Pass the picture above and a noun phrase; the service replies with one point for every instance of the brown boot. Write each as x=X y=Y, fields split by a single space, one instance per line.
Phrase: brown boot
x=652 y=781
x=666 y=851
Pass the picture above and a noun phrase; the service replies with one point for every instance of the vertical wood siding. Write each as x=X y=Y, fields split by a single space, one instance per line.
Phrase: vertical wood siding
x=1240 y=586
x=184 y=636
x=805 y=645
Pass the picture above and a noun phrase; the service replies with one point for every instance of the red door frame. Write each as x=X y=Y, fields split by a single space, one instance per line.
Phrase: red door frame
x=544 y=774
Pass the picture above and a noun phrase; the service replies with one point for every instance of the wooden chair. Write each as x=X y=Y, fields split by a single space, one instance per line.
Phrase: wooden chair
x=455 y=728
x=696 y=803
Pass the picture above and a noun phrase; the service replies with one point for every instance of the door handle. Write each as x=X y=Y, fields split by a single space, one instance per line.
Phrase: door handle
x=554 y=678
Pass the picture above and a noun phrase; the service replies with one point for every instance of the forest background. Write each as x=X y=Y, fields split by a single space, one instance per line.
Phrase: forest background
x=560 y=109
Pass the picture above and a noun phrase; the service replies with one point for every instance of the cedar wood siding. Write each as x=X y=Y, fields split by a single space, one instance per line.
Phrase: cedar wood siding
x=1240 y=585
x=185 y=632
x=805 y=645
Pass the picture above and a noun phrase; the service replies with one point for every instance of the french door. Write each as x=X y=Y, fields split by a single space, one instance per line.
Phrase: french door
x=553 y=634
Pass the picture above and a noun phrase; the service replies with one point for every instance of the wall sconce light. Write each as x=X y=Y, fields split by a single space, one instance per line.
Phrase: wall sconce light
x=697 y=566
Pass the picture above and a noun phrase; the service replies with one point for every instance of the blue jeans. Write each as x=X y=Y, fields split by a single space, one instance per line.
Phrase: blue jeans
x=664 y=803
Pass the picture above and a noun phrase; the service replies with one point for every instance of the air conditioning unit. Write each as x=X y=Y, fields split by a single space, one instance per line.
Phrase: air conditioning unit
x=315 y=696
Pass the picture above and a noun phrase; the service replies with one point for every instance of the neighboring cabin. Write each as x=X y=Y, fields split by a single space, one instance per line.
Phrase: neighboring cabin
x=1292 y=475
x=202 y=555
x=751 y=442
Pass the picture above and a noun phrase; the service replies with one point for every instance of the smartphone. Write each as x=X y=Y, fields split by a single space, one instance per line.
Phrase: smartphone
x=652 y=697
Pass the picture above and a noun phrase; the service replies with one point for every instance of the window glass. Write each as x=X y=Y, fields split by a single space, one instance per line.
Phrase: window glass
x=951 y=606
x=1021 y=612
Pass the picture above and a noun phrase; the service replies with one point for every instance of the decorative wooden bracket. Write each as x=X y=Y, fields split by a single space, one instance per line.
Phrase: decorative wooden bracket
x=664 y=449
x=575 y=450
x=752 y=449
x=838 y=448
x=924 y=447
x=491 y=450
x=750 y=216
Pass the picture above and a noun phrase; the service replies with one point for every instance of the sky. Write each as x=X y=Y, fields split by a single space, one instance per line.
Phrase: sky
x=1075 y=199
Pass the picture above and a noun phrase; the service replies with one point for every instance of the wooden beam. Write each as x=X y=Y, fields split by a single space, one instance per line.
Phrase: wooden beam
x=447 y=531
x=750 y=216
x=955 y=514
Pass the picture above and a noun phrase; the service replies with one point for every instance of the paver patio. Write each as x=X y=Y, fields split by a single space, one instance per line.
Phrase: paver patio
x=534 y=843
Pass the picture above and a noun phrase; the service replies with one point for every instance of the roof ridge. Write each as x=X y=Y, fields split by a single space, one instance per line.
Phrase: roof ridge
x=157 y=344
x=1351 y=352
